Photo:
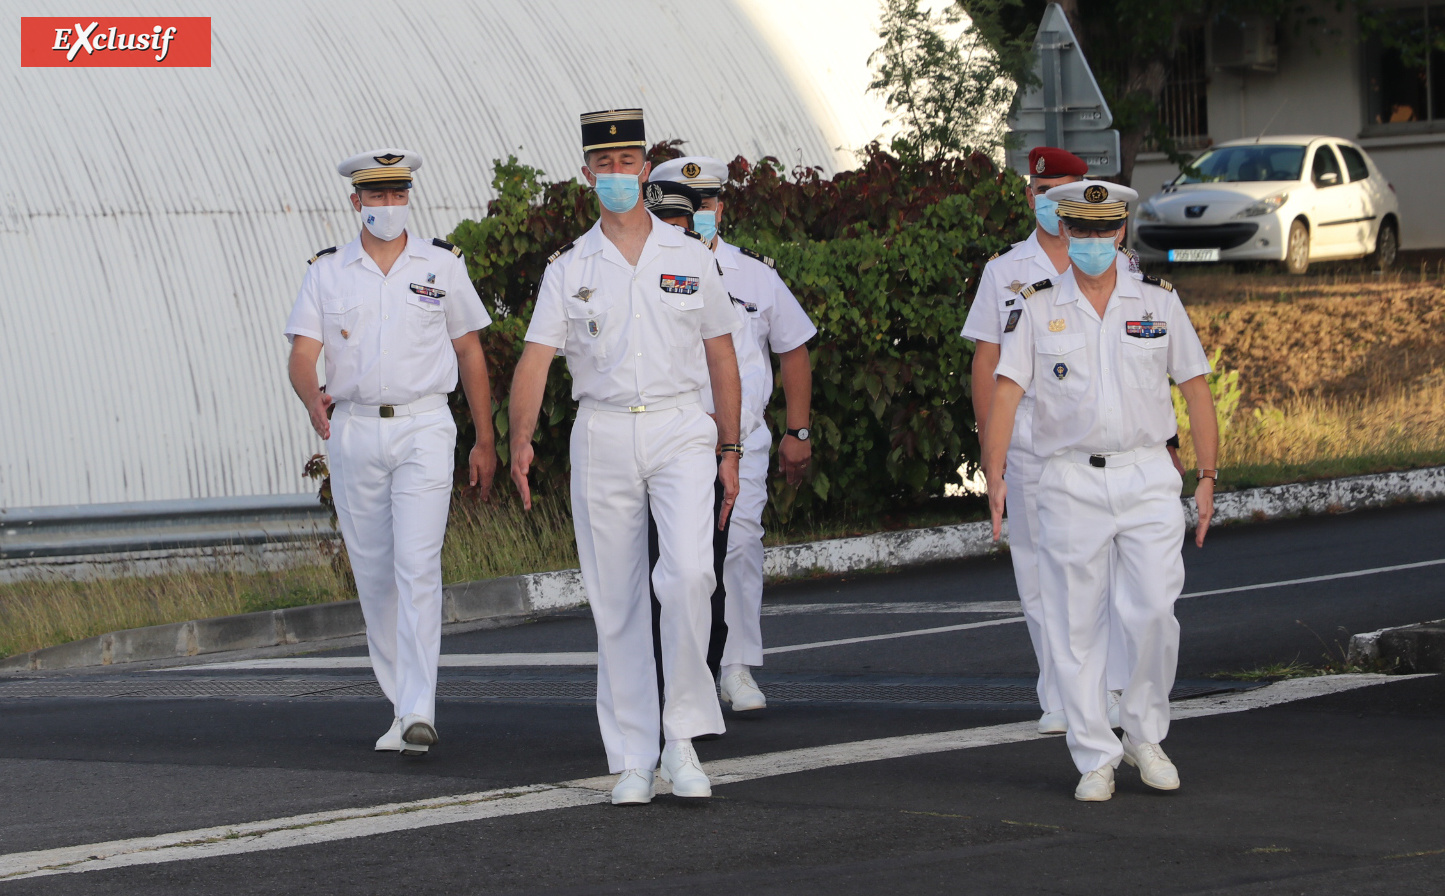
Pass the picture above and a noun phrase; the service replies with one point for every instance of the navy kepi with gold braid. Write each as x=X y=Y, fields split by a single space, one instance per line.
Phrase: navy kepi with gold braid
x=612 y=129
x=1095 y=204
x=381 y=168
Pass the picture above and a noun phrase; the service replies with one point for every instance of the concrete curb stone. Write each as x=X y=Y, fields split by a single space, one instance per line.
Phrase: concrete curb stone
x=516 y=598
x=1406 y=649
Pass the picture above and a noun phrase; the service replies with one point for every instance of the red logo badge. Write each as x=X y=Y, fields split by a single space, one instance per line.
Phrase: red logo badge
x=124 y=42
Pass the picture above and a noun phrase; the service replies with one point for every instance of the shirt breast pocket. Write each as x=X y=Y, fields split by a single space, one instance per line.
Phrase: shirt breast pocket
x=587 y=326
x=426 y=319
x=683 y=315
x=1145 y=361
x=1062 y=365
x=340 y=322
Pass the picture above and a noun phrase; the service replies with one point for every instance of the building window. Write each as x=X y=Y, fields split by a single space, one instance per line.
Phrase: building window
x=1405 y=68
x=1183 y=103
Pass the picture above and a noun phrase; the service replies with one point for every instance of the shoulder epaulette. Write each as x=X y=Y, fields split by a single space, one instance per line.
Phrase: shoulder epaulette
x=694 y=234
x=759 y=256
x=312 y=259
x=1155 y=281
x=443 y=244
x=1037 y=287
x=560 y=252
x=1129 y=253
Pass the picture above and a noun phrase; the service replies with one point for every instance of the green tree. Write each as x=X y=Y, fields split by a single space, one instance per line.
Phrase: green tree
x=945 y=82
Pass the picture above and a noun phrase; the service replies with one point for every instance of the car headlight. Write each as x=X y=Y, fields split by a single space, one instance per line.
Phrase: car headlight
x=1264 y=206
x=1148 y=213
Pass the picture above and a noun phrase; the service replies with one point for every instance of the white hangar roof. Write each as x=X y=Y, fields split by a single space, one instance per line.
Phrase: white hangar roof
x=155 y=224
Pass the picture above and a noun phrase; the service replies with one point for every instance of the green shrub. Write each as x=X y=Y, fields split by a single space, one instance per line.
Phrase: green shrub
x=884 y=259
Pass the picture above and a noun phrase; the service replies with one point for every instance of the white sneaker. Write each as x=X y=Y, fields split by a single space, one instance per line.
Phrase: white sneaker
x=1155 y=769
x=739 y=690
x=1097 y=786
x=390 y=742
x=417 y=735
x=1114 y=698
x=634 y=788
x=1053 y=723
x=681 y=769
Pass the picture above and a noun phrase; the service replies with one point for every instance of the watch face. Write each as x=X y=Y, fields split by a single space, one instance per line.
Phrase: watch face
x=803 y=434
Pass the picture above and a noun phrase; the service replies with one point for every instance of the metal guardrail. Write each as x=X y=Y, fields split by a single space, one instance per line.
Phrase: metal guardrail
x=89 y=529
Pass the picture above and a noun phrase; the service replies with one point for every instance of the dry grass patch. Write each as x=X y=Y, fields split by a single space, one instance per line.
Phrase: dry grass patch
x=1340 y=374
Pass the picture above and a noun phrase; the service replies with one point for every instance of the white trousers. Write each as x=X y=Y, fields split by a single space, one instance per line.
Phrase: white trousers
x=391 y=479
x=743 y=569
x=1021 y=475
x=622 y=464
x=1085 y=513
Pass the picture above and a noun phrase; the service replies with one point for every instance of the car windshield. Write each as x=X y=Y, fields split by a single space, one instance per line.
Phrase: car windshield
x=1241 y=164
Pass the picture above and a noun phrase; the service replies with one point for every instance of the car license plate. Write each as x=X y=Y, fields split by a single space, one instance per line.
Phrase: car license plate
x=1193 y=254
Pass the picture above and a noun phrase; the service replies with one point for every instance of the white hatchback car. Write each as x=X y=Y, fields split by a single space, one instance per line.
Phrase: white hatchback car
x=1291 y=200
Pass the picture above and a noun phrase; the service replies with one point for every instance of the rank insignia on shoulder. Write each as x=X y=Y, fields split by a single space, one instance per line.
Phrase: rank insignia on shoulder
x=1013 y=320
x=559 y=253
x=1155 y=281
x=759 y=256
x=1037 y=287
x=694 y=234
x=443 y=244
x=312 y=259
x=678 y=283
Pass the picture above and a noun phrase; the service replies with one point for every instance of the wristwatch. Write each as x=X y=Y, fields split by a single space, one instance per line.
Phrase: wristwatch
x=801 y=433
x=1207 y=474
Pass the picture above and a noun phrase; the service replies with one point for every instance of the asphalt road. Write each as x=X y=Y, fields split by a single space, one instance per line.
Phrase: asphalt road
x=911 y=766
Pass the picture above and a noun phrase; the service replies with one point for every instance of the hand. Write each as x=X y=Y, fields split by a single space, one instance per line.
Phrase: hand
x=483 y=465
x=522 y=455
x=997 y=493
x=1174 y=456
x=793 y=457
x=1204 y=500
x=317 y=408
x=727 y=474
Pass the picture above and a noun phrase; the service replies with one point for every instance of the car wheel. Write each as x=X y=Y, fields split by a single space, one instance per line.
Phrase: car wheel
x=1297 y=251
x=1387 y=247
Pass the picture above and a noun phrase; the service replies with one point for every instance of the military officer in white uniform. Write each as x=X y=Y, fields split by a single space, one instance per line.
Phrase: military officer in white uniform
x=1043 y=255
x=397 y=317
x=675 y=203
x=640 y=311
x=1098 y=348
x=780 y=325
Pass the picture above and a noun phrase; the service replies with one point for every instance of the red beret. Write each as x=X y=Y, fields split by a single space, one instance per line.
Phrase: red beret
x=1050 y=161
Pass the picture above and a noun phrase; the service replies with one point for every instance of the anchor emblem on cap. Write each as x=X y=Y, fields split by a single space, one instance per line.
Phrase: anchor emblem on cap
x=691 y=169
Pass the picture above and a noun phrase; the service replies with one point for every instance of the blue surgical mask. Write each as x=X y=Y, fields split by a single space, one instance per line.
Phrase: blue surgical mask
x=1046 y=211
x=705 y=223
x=618 y=193
x=1091 y=255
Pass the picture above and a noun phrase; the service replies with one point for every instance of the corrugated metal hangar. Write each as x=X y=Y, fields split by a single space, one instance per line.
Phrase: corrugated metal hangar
x=155 y=224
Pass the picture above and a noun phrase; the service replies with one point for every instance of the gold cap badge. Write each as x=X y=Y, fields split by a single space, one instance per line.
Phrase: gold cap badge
x=1096 y=193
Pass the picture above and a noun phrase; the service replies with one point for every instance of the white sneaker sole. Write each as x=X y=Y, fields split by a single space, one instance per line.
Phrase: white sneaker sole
x=1130 y=762
x=694 y=793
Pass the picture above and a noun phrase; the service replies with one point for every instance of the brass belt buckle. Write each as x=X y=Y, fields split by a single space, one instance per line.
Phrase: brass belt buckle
x=387 y=411
x=636 y=409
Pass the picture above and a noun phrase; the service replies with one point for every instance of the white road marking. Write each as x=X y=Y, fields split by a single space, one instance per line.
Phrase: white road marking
x=789 y=648
x=891 y=607
x=1306 y=581
x=346 y=824
x=512 y=660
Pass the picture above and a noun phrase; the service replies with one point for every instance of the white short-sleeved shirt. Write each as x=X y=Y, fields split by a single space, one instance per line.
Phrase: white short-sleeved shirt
x=387 y=337
x=633 y=335
x=1003 y=278
x=779 y=323
x=757 y=388
x=1101 y=386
